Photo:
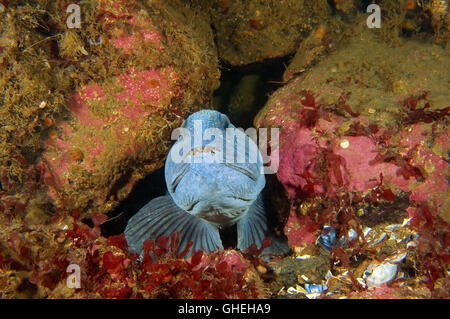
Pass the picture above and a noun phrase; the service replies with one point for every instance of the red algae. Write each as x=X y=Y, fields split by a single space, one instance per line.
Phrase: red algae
x=110 y=271
x=301 y=229
x=432 y=244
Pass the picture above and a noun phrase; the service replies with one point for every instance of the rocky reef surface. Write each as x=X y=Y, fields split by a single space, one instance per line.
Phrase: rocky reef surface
x=364 y=156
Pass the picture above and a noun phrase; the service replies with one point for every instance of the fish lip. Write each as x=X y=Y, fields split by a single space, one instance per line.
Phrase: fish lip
x=192 y=205
x=186 y=166
x=246 y=172
x=243 y=199
x=202 y=150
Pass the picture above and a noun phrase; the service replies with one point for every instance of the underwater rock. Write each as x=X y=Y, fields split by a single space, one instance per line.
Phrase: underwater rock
x=436 y=13
x=411 y=18
x=156 y=64
x=440 y=20
x=343 y=135
x=291 y=271
x=346 y=8
x=251 y=31
x=309 y=52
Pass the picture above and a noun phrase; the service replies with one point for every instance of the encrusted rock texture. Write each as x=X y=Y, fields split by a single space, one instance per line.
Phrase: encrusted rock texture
x=362 y=134
x=116 y=89
x=253 y=31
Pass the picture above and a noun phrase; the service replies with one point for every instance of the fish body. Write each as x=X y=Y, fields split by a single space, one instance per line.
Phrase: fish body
x=219 y=192
x=214 y=175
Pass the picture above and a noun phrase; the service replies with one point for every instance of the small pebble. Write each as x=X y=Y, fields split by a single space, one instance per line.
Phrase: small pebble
x=344 y=144
x=261 y=269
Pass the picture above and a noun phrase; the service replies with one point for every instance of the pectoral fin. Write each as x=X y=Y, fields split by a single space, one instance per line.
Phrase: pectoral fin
x=253 y=228
x=161 y=216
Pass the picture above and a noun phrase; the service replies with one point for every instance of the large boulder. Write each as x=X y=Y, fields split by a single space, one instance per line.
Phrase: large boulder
x=364 y=144
x=145 y=70
x=252 y=31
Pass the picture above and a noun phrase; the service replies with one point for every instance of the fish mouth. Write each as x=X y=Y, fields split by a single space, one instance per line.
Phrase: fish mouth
x=252 y=174
x=223 y=213
x=202 y=150
x=241 y=200
x=176 y=178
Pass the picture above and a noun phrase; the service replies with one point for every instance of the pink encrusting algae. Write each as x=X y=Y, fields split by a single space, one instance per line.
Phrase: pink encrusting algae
x=124 y=114
x=354 y=164
x=142 y=29
x=142 y=34
x=359 y=172
x=301 y=229
x=141 y=98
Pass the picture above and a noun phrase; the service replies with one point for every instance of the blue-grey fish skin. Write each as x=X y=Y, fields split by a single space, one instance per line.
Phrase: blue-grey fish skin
x=219 y=193
x=205 y=196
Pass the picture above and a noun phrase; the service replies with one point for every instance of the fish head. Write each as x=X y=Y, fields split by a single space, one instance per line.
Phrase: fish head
x=209 y=182
x=218 y=193
x=209 y=119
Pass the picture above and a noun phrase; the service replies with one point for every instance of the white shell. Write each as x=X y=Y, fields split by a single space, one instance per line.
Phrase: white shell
x=352 y=234
x=379 y=240
x=313 y=295
x=381 y=274
x=366 y=231
x=292 y=291
x=397 y=258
